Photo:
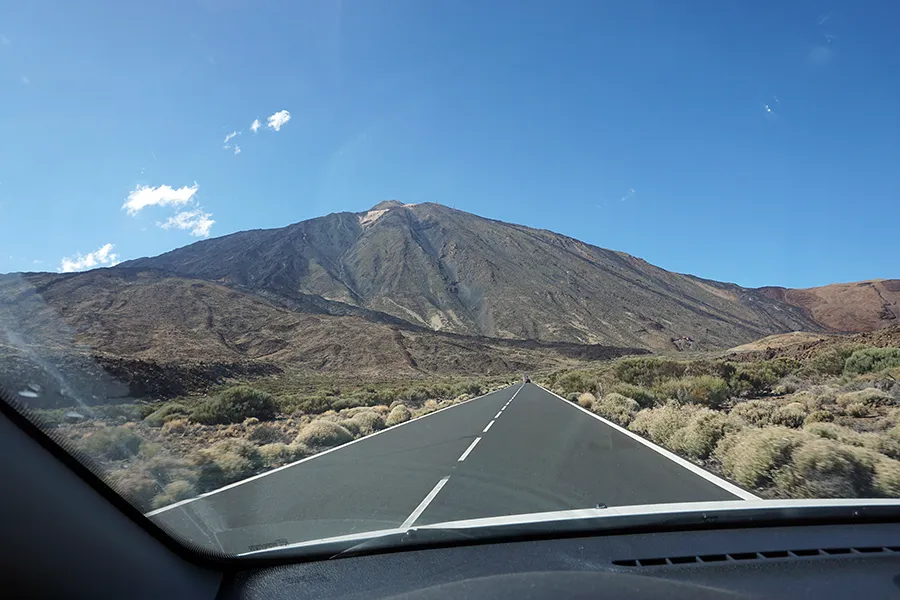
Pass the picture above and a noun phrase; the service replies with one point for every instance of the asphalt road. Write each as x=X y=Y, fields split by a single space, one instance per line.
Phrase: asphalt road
x=514 y=451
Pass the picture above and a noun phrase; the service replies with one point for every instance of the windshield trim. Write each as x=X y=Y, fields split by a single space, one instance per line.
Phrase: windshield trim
x=675 y=508
x=632 y=516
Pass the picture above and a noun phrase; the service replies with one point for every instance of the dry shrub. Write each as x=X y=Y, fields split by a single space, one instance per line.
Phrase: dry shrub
x=641 y=395
x=857 y=410
x=330 y=415
x=349 y=412
x=822 y=468
x=136 y=486
x=891 y=417
x=699 y=437
x=234 y=405
x=866 y=360
x=886 y=480
x=266 y=433
x=820 y=397
x=172 y=410
x=586 y=400
x=177 y=426
x=369 y=422
x=111 y=443
x=832 y=431
x=789 y=415
x=576 y=382
x=660 y=424
x=755 y=412
x=277 y=454
x=872 y=397
x=886 y=443
x=818 y=416
x=323 y=434
x=429 y=407
x=382 y=409
x=704 y=390
x=752 y=457
x=225 y=462
x=145 y=482
x=616 y=408
x=351 y=426
x=399 y=414
x=174 y=492
x=788 y=385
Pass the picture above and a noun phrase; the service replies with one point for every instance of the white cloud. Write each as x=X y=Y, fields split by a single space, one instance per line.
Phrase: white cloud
x=231 y=135
x=198 y=221
x=277 y=120
x=254 y=126
x=237 y=149
x=143 y=196
x=102 y=256
x=628 y=196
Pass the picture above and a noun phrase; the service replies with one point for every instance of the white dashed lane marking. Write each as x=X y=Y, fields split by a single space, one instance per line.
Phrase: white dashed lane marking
x=469 y=449
x=424 y=504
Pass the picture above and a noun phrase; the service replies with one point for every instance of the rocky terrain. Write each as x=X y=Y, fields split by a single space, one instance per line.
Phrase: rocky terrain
x=847 y=307
x=112 y=335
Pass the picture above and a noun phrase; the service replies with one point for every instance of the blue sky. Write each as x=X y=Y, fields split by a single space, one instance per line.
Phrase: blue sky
x=750 y=142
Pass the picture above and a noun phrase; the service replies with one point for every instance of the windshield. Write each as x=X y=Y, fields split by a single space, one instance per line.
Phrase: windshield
x=284 y=274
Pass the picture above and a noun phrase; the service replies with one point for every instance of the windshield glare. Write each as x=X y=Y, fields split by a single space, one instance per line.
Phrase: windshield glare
x=290 y=276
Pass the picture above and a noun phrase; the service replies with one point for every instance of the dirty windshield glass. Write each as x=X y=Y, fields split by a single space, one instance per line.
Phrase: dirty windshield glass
x=283 y=274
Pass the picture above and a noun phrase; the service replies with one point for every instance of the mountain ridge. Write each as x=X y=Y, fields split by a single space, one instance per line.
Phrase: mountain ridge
x=449 y=270
x=409 y=289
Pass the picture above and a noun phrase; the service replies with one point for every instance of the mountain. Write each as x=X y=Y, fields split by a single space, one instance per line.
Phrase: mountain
x=161 y=335
x=848 y=307
x=450 y=271
x=397 y=290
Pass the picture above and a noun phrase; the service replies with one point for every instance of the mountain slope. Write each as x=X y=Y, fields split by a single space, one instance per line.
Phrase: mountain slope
x=448 y=270
x=52 y=323
x=858 y=306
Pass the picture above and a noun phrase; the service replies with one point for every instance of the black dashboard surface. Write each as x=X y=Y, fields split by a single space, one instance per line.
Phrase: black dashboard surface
x=822 y=561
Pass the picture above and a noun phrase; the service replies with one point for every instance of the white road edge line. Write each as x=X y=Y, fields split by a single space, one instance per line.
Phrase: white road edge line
x=488 y=426
x=423 y=504
x=157 y=511
x=469 y=449
x=725 y=485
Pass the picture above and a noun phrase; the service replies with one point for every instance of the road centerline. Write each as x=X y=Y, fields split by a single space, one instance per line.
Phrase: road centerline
x=424 y=504
x=469 y=449
x=497 y=416
x=488 y=427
